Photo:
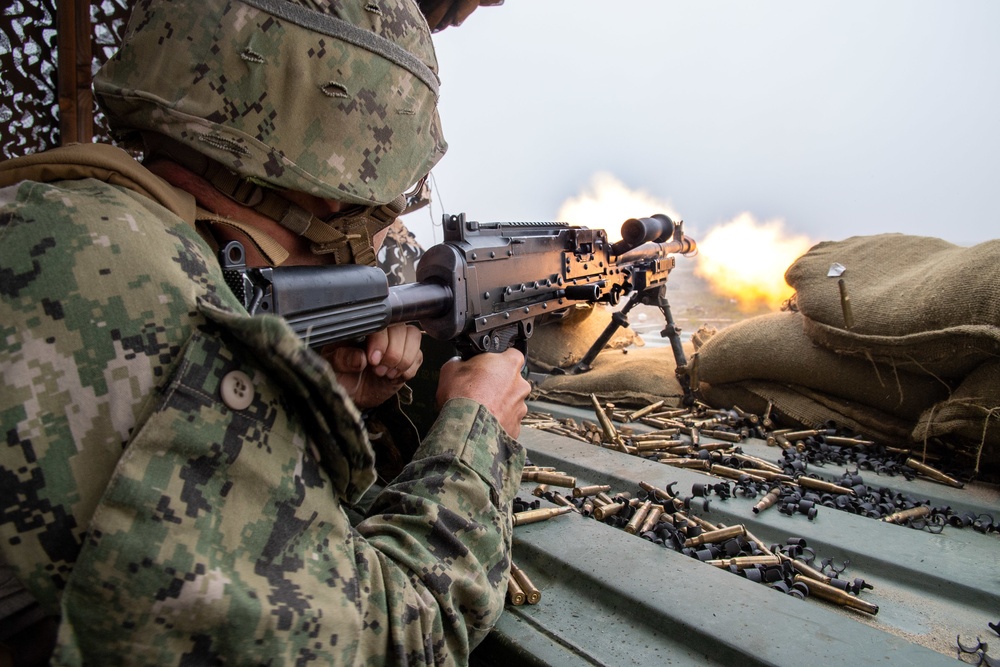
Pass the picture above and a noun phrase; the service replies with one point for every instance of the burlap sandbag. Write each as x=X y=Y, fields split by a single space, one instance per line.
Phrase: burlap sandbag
x=632 y=377
x=918 y=303
x=970 y=417
x=774 y=347
x=563 y=342
x=795 y=407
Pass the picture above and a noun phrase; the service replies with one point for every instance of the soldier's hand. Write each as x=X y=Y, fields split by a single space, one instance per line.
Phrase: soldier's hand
x=492 y=379
x=375 y=372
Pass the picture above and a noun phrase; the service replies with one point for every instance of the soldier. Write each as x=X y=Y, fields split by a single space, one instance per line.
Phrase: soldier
x=176 y=473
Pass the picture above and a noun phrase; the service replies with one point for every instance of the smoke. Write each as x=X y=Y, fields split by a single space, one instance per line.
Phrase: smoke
x=742 y=259
x=606 y=202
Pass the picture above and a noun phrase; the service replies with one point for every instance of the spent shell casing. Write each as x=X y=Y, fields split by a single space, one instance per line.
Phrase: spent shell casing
x=610 y=434
x=759 y=462
x=933 y=473
x=560 y=499
x=531 y=593
x=640 y=515
x=658 y=434
x=768 y=500
x=764 y=549
x=781 y=441
x=514 y=592
x=655 y=445
x=769 y=475
x=835 y=595
x=543 y=514
x=540 y=490
x=713 y=446
x=905 y=515
x=591 y=490
x=642 y=412
x=604 y=511
x=742 y=562
x=733 y=473
x=804 y=568
x=799 y=435
x=728 y=436
x=715 y=536
x=550 y=478
x=821 y=485
x=705 y=525
x=567 y=433
x=652 y=518
x=748 y=416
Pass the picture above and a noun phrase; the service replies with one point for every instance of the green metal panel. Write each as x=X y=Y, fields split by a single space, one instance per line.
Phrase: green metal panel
x=611 y=598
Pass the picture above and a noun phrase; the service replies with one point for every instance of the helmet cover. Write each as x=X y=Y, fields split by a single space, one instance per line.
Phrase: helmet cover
x=333 y=98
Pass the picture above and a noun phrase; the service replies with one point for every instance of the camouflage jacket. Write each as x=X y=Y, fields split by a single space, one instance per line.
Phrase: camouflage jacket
x=175 y=472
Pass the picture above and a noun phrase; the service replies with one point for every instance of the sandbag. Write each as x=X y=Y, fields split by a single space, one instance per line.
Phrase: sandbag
x=795 y=407
x=970 y=417
x=563 y=342
x=774 y=347
x=632 y=377
x=918 y=303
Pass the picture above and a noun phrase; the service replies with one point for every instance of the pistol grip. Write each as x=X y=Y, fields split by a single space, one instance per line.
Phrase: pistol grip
x=497 y=340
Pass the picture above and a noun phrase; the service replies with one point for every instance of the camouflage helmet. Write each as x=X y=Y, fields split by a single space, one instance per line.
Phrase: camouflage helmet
x=333 y=98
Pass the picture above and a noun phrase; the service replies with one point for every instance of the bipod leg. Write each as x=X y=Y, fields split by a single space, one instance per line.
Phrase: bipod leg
x=619 y=319
x=673 y=332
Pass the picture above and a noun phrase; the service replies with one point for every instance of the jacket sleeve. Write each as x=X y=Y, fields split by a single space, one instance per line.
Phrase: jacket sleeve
x=176 y=470
x=445 y=525
x=221 y=535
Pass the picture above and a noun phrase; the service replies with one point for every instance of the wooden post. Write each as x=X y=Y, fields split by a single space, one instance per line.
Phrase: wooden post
x=76 y=103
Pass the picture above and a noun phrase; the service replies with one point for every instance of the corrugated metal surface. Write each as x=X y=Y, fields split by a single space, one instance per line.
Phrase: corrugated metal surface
x=612 y=598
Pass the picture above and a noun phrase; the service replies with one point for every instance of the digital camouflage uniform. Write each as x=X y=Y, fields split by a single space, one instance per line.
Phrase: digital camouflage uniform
x=164 y=520
x=175 y=473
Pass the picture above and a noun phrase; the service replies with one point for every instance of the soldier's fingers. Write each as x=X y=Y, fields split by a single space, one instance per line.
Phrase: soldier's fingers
x=409 y=373
x=375 y=345
x=345 y=359
x=402 y=348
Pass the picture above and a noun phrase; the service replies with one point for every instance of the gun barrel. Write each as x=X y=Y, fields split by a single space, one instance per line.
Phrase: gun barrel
x=416 y=302
x=684 y=245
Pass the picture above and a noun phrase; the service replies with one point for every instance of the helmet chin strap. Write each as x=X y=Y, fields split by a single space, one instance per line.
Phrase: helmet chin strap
x=346 y=235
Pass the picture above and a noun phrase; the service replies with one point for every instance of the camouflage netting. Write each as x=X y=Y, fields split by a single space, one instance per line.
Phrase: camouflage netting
x=920 y=361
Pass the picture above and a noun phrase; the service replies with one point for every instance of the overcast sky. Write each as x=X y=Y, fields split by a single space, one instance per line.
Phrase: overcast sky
x=839 y=118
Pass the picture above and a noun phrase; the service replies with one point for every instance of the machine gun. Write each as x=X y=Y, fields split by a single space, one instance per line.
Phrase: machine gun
x=482 y=288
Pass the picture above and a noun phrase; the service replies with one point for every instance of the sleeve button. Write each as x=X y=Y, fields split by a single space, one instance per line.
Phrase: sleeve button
x=237 y=390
